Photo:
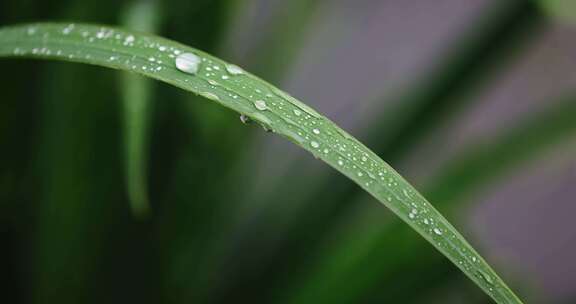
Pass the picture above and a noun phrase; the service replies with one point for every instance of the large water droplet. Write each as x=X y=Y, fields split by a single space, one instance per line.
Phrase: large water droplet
x=188 y=63
x=260 y=105
x=129 y=40
x=234 y=69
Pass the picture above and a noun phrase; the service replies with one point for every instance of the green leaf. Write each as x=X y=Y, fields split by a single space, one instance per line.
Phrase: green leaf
x=141 y=15
x=363 y=240
x=273 y=109
x=483 y=50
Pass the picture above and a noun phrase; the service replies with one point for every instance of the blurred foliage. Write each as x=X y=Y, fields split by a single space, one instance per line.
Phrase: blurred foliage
x=67 y=232
x=562 y=10
x=141 y=15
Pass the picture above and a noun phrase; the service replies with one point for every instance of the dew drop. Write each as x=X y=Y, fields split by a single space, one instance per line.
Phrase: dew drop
x=188 y=63
x=486 y=277
x=210 y=95
x=67 y=30
x=437 y=231
x=297 y=112
x=234 y=69
x=314 y=144
x=316 y=131
x=129 y=39
x=245 y=119
x=406 y=193
x=260 y=105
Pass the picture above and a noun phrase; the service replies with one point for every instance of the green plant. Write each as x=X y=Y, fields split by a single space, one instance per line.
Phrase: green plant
x=257 y=101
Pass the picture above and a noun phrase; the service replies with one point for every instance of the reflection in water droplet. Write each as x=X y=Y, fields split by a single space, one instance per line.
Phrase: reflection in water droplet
x=188 y=63
x=437 y=231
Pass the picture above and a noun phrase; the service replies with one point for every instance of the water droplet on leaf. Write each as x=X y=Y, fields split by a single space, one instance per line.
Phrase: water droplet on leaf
x=260 y=105
x=245 y=119
x=486 y=277
x=234 y=69
x=188 y=63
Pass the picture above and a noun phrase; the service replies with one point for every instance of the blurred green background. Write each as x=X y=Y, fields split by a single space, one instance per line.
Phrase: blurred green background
x=116 y=189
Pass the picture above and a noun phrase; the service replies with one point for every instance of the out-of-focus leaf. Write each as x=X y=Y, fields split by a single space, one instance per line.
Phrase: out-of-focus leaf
x=277 y=50
x=563 y=10
x=142 y=15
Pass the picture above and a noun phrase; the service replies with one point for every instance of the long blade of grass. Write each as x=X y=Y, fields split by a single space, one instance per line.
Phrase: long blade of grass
x=273 y=109
x=142 y=15
x=482 y=50
x=465 y=174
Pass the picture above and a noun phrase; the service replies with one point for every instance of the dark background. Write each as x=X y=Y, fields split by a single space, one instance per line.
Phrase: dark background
x=473 y=101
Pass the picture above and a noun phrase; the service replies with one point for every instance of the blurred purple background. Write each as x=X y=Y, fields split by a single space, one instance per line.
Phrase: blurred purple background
x=357 y=55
